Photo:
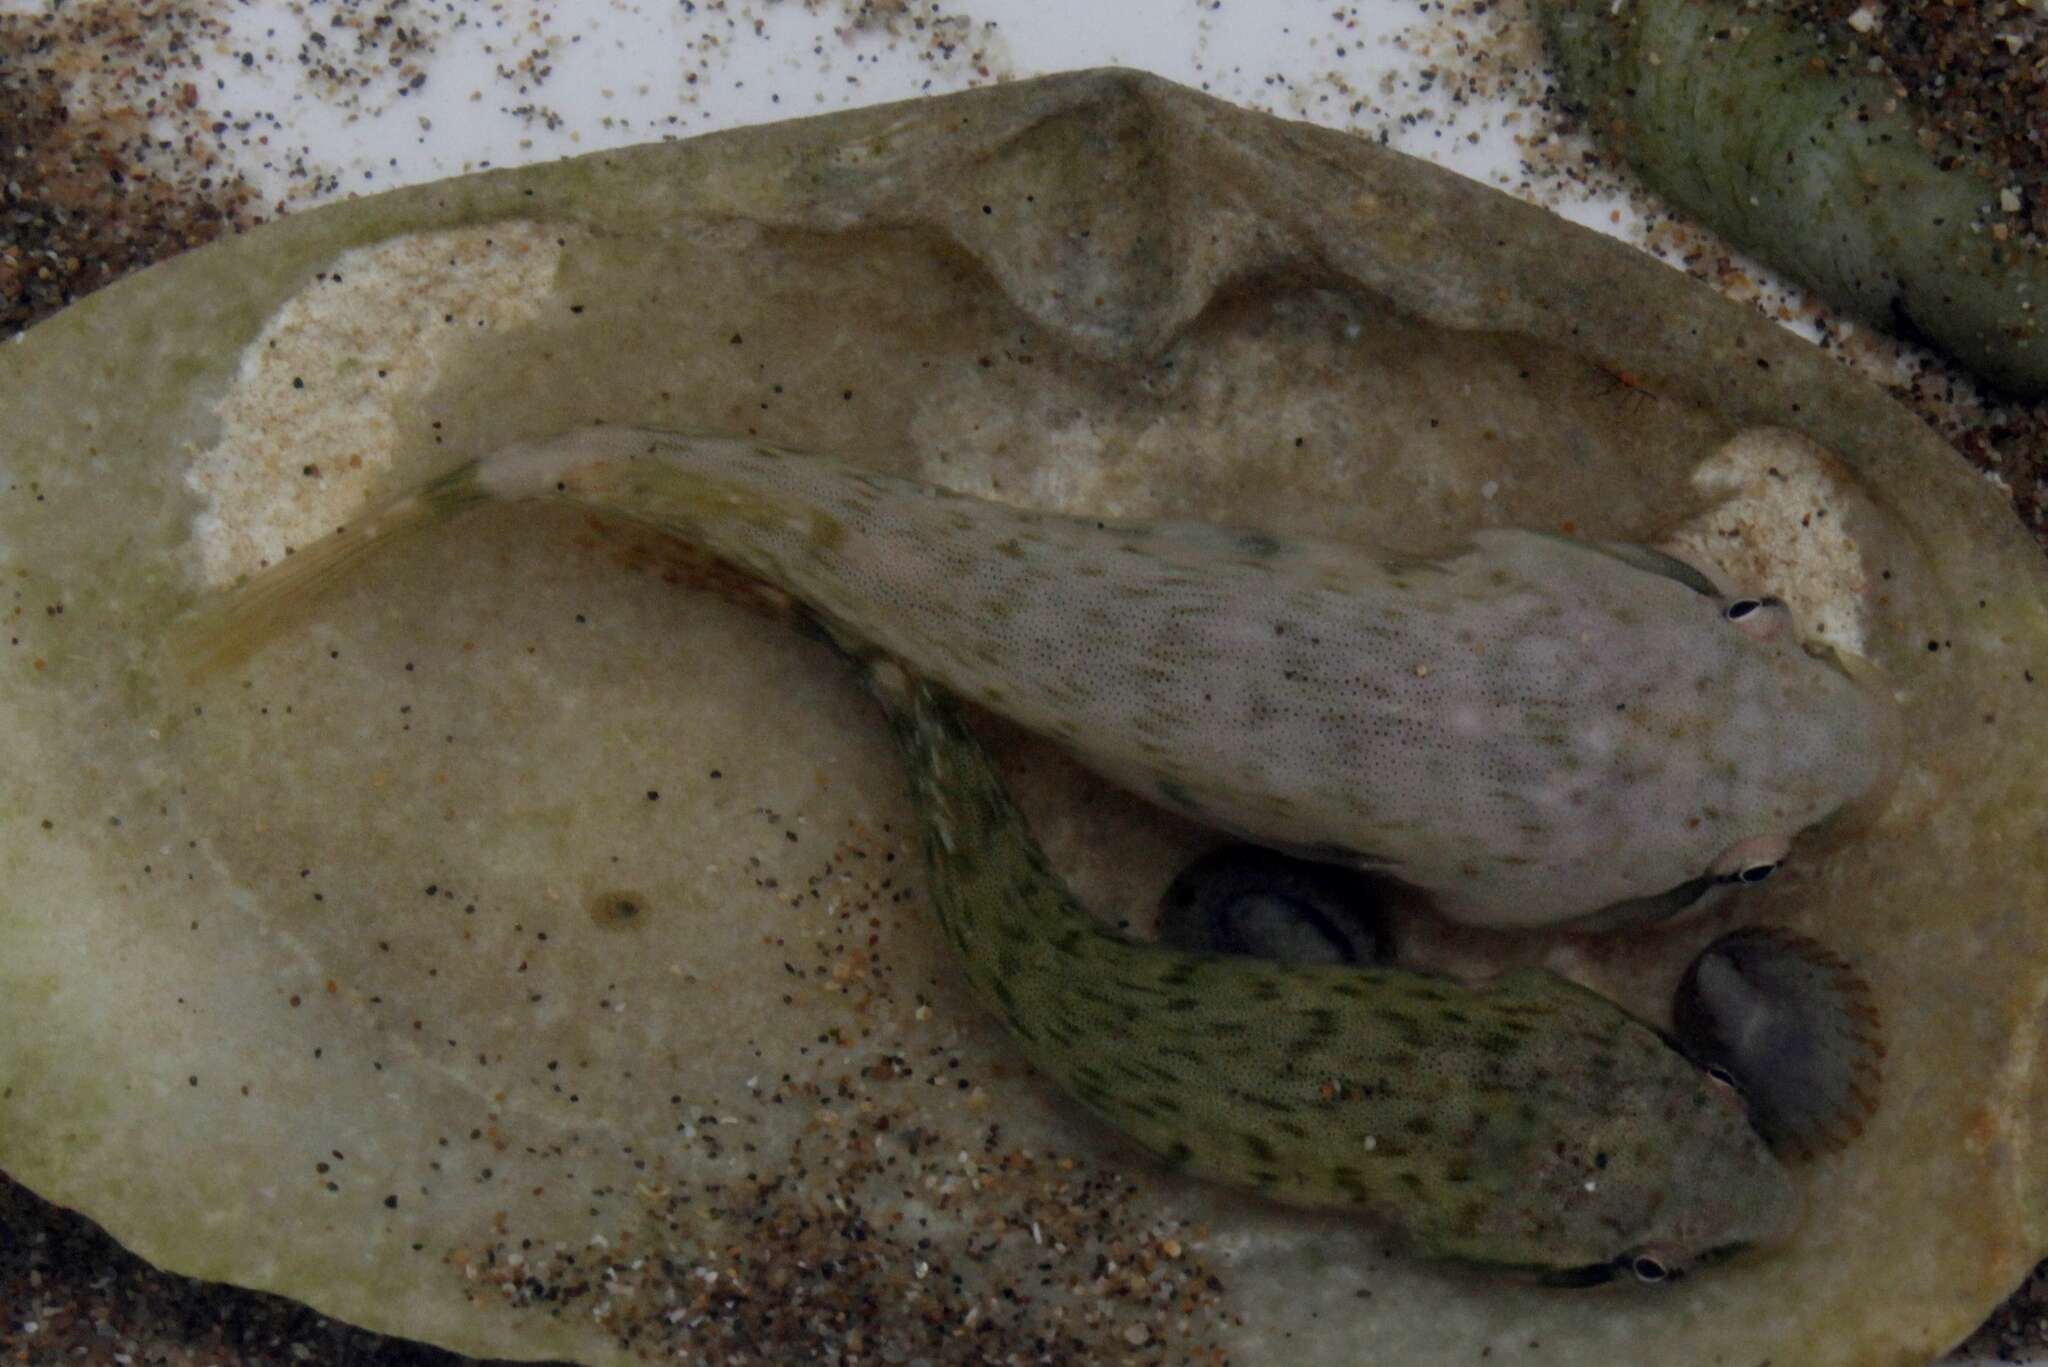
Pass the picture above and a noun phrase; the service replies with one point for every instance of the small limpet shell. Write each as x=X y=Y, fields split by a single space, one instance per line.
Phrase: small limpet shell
x=1246 y=900
x=1795 y=1027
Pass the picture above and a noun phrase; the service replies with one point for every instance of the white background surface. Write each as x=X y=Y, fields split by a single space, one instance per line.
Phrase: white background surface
x=627 y=71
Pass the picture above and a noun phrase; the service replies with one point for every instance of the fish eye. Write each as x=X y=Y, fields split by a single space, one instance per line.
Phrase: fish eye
x=1654 y=1264
x=1759 y=615
x=1750 y=860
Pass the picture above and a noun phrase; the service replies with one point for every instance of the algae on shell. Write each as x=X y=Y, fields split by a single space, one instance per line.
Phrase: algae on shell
x=525 y=955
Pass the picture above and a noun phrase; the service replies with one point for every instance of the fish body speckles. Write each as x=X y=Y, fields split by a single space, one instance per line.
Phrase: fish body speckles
x=1531 y=728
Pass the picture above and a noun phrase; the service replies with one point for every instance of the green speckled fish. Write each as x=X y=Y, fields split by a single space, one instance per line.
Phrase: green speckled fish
x=1531 y=728
x=1526 y=1125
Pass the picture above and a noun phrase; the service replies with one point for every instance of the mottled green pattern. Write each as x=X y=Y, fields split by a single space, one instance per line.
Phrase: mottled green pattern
x=1524 y=1125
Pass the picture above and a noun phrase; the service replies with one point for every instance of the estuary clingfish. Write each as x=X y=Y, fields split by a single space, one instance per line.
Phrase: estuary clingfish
x=1532 y=729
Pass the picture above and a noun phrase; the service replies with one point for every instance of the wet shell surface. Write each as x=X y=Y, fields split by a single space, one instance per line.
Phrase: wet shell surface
x=1794 y=1025
x=1245 y=900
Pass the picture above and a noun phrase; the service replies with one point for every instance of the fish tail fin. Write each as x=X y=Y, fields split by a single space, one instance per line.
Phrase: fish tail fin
x=226 y=628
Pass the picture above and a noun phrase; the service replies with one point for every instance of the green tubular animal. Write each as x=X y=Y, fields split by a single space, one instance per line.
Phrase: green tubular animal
x=1534 y=729
x=1732 y=112
x=1524 y=1126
